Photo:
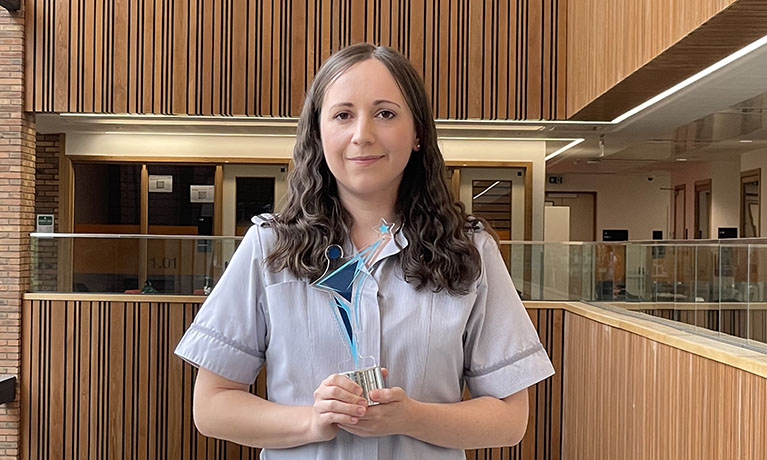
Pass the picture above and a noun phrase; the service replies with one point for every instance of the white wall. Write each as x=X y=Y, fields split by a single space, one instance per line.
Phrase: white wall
x=180 y=145
x=725 y=195
x=624 y=201
x=754 y=160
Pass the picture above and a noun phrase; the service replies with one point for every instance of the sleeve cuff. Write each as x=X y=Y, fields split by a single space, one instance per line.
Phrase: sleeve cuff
x=513 y=375
x=202 y=349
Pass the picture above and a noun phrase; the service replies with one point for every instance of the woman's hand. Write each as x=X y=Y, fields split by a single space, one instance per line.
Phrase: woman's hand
x=336 y=401
x=391 y=416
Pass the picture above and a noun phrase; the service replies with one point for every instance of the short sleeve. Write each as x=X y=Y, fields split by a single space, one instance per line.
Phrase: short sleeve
x=502 y=351
x=229 y=334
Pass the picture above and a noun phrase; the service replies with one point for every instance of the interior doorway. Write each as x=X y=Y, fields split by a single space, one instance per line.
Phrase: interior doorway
x=702 y=210
x=680 y=199
x=750 y=203
x=249 y=190
x=498 y=196
x=583 y=214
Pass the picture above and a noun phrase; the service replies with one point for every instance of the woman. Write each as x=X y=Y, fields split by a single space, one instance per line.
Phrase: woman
x=438 y=309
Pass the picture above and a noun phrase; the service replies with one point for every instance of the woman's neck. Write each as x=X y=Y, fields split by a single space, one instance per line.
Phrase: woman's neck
x=366 y=215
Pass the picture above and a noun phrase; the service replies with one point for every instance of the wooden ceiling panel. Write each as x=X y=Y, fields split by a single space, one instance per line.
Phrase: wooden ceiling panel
x=740 y=24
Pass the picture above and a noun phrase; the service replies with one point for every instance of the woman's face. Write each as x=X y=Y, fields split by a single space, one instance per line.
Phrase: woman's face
x=367 y=131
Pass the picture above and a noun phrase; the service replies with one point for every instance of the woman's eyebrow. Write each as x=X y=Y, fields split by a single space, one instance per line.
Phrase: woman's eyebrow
x=342 y=104
x=385 y=101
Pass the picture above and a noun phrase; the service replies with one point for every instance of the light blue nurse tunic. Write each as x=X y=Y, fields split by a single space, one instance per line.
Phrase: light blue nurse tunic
x=432 y=343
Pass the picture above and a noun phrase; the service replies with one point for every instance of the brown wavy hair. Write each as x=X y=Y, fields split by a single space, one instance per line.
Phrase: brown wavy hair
x=440 y=253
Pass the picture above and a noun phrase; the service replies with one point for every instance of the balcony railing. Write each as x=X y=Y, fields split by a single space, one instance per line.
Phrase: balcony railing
x=131 y=264
x=716 y=286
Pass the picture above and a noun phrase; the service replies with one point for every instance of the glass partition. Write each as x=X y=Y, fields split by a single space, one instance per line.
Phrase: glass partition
x=757 y=294
x=131 y=264
x=709 y=285
x=715 y=286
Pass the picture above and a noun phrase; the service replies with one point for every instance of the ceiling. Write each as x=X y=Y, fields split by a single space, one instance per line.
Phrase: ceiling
x=717 y=118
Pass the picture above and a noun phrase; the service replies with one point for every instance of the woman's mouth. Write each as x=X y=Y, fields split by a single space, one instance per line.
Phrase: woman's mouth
x=365 y=160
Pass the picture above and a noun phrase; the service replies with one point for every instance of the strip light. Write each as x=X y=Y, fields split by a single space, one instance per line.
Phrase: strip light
x=564 y=149
x=689 y=81
x=486 y=190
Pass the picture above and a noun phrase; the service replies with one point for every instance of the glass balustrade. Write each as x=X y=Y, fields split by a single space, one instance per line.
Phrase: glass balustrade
x=716 y=286
x=131 y=264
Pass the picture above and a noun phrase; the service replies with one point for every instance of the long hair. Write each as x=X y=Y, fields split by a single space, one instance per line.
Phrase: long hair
x=440 y=253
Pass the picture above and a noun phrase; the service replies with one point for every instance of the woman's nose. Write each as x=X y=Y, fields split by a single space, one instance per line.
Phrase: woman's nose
x=363 y=131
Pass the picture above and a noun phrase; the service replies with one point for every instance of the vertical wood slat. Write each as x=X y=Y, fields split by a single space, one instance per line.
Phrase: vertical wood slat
x=487 y=59
x=101 y=380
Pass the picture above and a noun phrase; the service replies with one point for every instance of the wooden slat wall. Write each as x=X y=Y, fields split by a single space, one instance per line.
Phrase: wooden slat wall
x=488 y=59
x=99 y=380
x=630 y=397
x=543 y=440
x=621 y=53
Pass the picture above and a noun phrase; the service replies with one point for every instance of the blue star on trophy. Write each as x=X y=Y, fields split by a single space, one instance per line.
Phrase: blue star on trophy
x=343 y=279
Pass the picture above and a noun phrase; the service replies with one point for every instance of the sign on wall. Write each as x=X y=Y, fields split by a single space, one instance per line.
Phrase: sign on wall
x=44 y=223
x=160 y=184
x=201 y=193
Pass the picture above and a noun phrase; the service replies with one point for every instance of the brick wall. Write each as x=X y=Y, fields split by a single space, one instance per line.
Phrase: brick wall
x=17 y=207
x=45 y=252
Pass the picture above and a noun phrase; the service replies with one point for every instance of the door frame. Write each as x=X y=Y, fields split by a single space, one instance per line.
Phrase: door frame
x=528 y=184
x=582 y=192
x=683 y=189
x=750 y=176
x=702 y=186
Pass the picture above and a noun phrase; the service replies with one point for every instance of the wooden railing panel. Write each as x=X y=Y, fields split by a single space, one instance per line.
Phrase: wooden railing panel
x=633 y=398
x=100 y=381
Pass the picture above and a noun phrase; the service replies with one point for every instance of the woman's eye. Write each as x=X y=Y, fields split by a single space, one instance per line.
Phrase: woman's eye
x=387 y=114
x=342 y=116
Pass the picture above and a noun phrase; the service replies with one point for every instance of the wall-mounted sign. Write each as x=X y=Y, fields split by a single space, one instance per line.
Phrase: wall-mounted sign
x=160 y=184
x=44 y=223
x=201 y=193
x=555 y=179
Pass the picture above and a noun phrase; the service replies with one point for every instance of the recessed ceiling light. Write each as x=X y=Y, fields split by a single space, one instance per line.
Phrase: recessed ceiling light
x=746 y=141
x=681 y=159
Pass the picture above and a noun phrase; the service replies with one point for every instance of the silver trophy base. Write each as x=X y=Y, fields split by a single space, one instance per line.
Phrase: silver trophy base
x=369 y=378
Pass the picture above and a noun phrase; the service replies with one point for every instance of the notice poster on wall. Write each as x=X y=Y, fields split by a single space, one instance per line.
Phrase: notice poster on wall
x=201 y=193
x=44 y=223
x=160 y=184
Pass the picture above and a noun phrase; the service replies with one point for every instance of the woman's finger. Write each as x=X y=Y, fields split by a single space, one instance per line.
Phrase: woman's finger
x=338 y=407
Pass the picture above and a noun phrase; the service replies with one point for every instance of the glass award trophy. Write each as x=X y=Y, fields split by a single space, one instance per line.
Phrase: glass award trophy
x=343 y=279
